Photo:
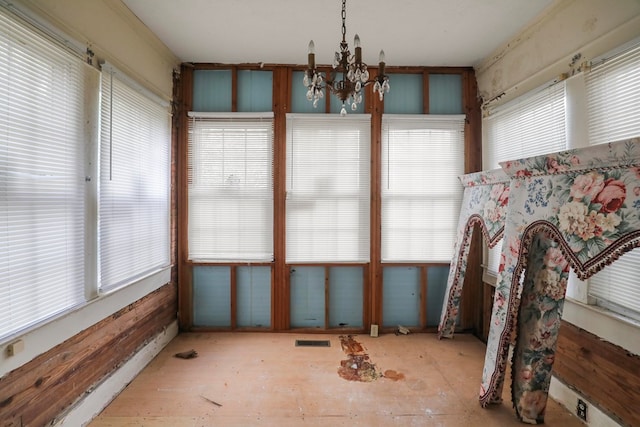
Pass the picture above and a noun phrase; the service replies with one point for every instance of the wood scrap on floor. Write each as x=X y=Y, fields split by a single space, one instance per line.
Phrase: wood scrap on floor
x=187 y=354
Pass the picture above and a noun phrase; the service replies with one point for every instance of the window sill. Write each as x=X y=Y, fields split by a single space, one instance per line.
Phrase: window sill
x=608 y=325
x=45 y=336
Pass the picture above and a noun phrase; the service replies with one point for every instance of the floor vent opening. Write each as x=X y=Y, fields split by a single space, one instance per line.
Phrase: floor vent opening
x=313 y=343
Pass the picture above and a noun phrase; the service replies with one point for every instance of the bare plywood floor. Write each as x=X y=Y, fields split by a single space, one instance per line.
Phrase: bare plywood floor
x=263 y=379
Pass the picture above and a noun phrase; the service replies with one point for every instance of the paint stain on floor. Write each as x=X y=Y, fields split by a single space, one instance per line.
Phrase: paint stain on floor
x=393 y=375
x=358 y=366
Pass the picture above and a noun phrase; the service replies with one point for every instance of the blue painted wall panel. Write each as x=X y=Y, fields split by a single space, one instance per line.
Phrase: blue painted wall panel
x=436 y=287
x=212 y=90
x=345 y=297
x=255 y=91
x=253 y=296
x=401 y=296
x=405 y=94
x=445 y=94
x=211 y=296
x=307 y=297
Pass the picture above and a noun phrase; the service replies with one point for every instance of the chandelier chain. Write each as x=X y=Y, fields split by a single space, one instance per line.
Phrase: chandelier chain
x=344 y=18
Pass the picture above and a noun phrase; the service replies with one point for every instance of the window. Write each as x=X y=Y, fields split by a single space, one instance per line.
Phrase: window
x=422 y=158
x=230 y=176
x=42 y=176
x=530 y=125
x=134 y=181
x=613 y=107
x=328 y=181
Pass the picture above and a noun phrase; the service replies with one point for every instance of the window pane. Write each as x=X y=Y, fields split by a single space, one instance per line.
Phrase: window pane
x=135 y=173
x=42 y=177
x=613 y=105
x=231 y=188
x=328 y=200
x=422 y=158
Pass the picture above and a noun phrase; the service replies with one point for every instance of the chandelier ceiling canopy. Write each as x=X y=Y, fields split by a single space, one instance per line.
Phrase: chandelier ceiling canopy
x=349 y=74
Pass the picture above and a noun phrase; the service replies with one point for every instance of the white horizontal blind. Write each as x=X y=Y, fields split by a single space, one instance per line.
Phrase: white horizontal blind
x=422 y=158
x=613 y=97
x=42 y=172
x=328 y=181
x=135 y=172
x=531 y=125
x=613 y=105
x=231 y=187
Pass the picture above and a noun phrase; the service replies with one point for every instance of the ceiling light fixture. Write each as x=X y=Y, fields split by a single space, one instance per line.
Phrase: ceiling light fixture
x=352 y=71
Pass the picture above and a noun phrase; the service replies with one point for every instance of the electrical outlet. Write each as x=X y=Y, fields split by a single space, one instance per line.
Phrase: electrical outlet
x=581 y=410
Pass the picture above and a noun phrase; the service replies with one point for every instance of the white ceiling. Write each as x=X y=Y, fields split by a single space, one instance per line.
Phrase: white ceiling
x=411 y=32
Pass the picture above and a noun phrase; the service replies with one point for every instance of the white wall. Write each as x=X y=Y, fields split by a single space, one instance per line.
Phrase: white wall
x=114 y=33
x=544 y=50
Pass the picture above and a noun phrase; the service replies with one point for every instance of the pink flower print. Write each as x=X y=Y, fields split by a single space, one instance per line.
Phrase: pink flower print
x=523 y=173
x=636 y=191
x=589 y=184
x=504 y=197
x=499 y=299
x=554 y=258
x=637 y=172
x=612 y=195
x=549 y=359
x=526 y=373
x=554 y=166
x=575 y=160
x=514 y=246
x=532 y=404
x=496 y=191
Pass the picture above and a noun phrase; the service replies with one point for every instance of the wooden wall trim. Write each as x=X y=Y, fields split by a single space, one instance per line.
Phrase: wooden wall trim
x=607 y=375
x=37 y=392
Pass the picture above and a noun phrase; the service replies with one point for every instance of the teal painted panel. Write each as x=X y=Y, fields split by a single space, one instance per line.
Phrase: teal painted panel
x=211 y=296
x=299 y=101
x=400 y=296
x=445 y=94
x=255 y=91
x=212 y=90
x=253 y=297
x=307 y=297
x=345 y=297
x=436 y=288
x=405 y=94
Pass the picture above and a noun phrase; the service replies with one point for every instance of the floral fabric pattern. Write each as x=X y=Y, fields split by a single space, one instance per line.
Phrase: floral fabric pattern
x=578 y=209
x=540 y=313
x=484 y=203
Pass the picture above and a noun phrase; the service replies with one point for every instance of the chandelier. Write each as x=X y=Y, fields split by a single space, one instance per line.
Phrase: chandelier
x=349 y=74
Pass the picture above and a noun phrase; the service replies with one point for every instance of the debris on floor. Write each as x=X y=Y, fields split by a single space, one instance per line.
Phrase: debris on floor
x=187 y=354
x=402 y=330
x=211 y=401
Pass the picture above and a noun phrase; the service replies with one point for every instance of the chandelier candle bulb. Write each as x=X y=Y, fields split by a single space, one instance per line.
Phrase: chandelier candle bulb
x=312 y=55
